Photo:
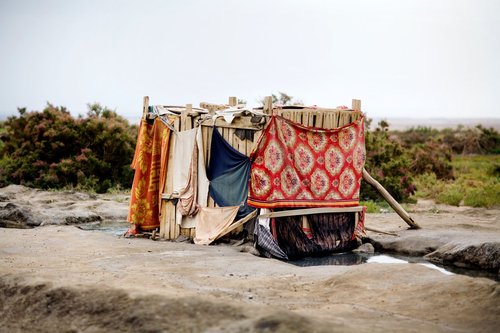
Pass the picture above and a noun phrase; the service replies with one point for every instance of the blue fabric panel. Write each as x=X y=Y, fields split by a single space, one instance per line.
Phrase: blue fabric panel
x=223 y=156
x=228 y=173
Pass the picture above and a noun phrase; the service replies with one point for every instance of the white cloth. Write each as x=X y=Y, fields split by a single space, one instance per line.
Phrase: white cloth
x=184 y=145
x=212 y=221
x=202 y=187
x=264 y=221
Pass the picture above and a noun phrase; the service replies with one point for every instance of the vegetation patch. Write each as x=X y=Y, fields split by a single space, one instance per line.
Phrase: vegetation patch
x=53 y=149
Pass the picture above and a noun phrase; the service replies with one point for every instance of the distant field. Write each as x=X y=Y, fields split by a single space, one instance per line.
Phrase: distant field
x=438 y=123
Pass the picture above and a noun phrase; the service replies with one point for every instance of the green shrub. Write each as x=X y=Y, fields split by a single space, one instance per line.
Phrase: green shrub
x=451 y=194
x=389 y=162
x=477 y=183
x=487 y=196
x=461 y=140
x=52 y=149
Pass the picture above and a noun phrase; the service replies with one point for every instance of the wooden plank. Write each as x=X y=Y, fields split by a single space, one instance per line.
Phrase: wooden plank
x=176 y=227
x=163 y=219
x=177 y=124
x=381 y=231
x=166 y=219
x=186 y=232
x=205 y=131
x=188 y=119
x=211 y=107
x=145 y=107
x=237 y=224
x=311 y=115
x=268 y=105
x=319 y=119
x=325 y=121
x=305 y=118
x=243 y=122
x=171 y=219
x=309 y=211
x=346 y=116
x=183 y=121
x=233 y=101
x=356 y=104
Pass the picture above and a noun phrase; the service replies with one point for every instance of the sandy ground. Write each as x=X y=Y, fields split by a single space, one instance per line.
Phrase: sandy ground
x=61 y=278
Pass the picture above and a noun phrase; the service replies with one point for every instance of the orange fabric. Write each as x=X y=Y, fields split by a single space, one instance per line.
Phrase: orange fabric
x=150 y=164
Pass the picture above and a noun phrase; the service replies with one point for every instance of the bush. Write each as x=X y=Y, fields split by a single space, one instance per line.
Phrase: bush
x=432 y=157
x=52 y=149
x=451 y=194
x=487 y=196
x=477 y=183
x=461 y=140
x=389 y=162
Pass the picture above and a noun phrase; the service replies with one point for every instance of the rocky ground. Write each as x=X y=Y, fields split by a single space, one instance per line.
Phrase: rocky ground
x=24 y=207
x=61 y=278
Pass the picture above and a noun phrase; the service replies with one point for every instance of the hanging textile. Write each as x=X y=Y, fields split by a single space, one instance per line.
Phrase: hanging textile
x=212 y=221
x=360 y=231
x=190 y=178
x=185 y=171
x=331 y=232
x=298 y=166
x=228 y=173
x=187 y=204
x=265 y=241
x=150 y=164
x=183 y=153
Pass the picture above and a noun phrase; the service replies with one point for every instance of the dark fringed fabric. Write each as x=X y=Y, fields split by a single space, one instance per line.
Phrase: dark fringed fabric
x=331 y=232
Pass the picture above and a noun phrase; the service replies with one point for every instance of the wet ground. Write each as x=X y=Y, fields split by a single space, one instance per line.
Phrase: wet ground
x=65 y=279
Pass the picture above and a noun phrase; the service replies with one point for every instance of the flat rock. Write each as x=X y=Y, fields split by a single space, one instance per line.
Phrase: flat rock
x=365 y=248
x=23 y=207
x=482 y=256
x=13 y=216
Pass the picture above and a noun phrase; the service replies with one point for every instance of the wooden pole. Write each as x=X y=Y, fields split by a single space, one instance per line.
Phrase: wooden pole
x=390 y=200
x=145 y=107
x=356 y=104
x=268 y=105
x=381 y=231
x=233 y=101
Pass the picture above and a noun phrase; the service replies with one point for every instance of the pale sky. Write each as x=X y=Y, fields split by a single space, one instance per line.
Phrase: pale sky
x=417 y=58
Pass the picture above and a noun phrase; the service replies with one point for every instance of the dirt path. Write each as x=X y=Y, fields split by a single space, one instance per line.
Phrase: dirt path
x=61 y=278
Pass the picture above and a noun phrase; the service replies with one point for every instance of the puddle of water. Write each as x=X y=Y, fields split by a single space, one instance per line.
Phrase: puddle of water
x=342 y=259
x=116 y=228
x=385 y=259
x=348 y=259
x=440 y=269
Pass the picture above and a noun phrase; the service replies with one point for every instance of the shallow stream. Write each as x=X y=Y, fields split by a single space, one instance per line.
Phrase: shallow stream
x=118 y=228
x=347 y=259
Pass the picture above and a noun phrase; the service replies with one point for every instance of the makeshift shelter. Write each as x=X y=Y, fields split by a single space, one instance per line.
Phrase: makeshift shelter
x=205 y=172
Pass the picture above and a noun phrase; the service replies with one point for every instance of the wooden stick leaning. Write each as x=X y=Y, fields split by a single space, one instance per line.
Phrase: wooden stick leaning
x=381 y=231
x=237 y=224
x=390 y=200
